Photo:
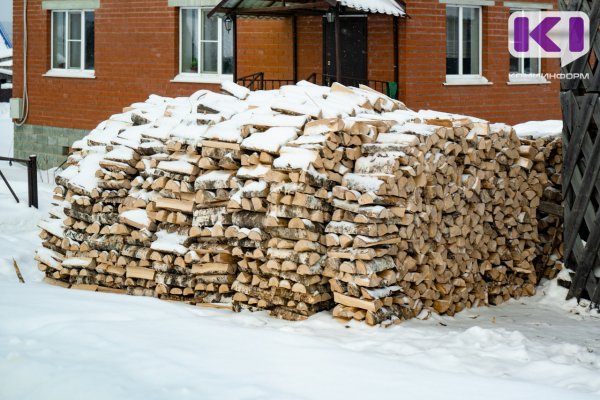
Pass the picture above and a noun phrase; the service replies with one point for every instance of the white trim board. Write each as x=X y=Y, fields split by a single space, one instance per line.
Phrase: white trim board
x=525 y=5
x=193 y=3
x=70 y=4
x=468 y=2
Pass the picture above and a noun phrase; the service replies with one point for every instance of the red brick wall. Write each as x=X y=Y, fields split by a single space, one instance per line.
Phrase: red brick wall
x=423 y=70
x=137 y=54
x=380 y=48
x=265 y=45
x=310 y=46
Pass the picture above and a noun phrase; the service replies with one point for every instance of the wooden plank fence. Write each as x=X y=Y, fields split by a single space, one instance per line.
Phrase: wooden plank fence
x=580 y=100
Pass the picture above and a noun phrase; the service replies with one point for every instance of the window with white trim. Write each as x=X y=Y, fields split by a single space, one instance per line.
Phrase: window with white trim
x=72 y=40
x=463 y=40
x=206 y=47
x=524 y=67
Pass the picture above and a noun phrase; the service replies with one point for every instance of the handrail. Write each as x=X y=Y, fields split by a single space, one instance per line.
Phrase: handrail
x=13 y=159
x=253 y=78
x=31 y=179
x=257 y=81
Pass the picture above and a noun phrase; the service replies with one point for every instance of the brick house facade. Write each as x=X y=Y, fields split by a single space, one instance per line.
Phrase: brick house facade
x=136 y=54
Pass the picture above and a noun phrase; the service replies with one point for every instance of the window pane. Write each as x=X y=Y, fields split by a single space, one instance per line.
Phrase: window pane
x=451 y=40
x=210 y=57
x=189 y=40
x=227 y=52
x=514 y=65
x=58 y=40
x=471 y=40
x=89 y=40
x=532 y=66
x=74 y=26
x=75 y=55
x=210 y=26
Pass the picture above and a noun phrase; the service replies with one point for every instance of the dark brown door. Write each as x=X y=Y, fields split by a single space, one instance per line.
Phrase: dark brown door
x=353 y=37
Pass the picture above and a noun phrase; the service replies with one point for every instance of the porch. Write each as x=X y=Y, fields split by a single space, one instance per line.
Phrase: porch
x=351 y=41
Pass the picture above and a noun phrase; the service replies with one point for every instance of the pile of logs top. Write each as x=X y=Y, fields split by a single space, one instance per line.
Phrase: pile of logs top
x=547 y=154
x=300 y=200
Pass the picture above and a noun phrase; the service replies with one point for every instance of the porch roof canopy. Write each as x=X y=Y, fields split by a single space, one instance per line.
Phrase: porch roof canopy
x=298 y=7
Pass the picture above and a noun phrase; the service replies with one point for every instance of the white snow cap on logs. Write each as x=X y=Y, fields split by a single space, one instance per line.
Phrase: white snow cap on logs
x=236 y=90
x=270 y=140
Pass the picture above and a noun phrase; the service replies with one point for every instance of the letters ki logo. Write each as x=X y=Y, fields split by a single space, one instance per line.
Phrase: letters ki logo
x=549 y=34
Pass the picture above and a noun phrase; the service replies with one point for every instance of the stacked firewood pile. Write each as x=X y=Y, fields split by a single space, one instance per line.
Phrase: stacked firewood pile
x=548 y=157
x=297 y=201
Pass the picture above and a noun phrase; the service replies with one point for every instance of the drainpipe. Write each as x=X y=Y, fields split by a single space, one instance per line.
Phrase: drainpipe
x=338 y=46
x=396 y=59
x=25 y=110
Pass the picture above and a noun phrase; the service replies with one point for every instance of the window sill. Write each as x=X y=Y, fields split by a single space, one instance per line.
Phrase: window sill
x=68 y=73
x=195 y=78
x=466 y=81
x=531 y=80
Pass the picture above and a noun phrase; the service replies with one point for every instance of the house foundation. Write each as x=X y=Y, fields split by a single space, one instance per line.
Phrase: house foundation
x=50 y=144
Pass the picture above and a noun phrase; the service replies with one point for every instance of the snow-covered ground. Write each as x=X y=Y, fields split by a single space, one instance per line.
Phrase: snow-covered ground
x=6 y=131
x=67 y=344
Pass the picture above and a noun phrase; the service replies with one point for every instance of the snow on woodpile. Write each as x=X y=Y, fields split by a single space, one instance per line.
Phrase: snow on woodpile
x=299 y=200
x=538 y=129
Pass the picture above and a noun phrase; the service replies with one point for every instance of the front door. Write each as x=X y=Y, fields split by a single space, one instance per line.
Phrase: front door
x=353 y=37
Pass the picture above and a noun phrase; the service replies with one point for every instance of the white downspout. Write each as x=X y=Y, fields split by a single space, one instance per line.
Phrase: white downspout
x=25 y=111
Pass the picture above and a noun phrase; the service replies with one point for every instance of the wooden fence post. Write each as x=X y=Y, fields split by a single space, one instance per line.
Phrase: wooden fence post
x=580 y=99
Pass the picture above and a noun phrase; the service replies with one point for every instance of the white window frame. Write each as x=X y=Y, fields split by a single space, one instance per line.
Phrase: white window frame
x=520 y=77
x=69 y=72
x=460 y=78
x=199 y=77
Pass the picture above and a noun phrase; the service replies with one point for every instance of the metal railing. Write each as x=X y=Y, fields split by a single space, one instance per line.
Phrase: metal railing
x=257 y=81
x=32 y=189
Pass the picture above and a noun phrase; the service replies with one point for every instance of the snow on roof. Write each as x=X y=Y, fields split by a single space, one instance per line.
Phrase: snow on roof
x=6 y=53
x=390 y=7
